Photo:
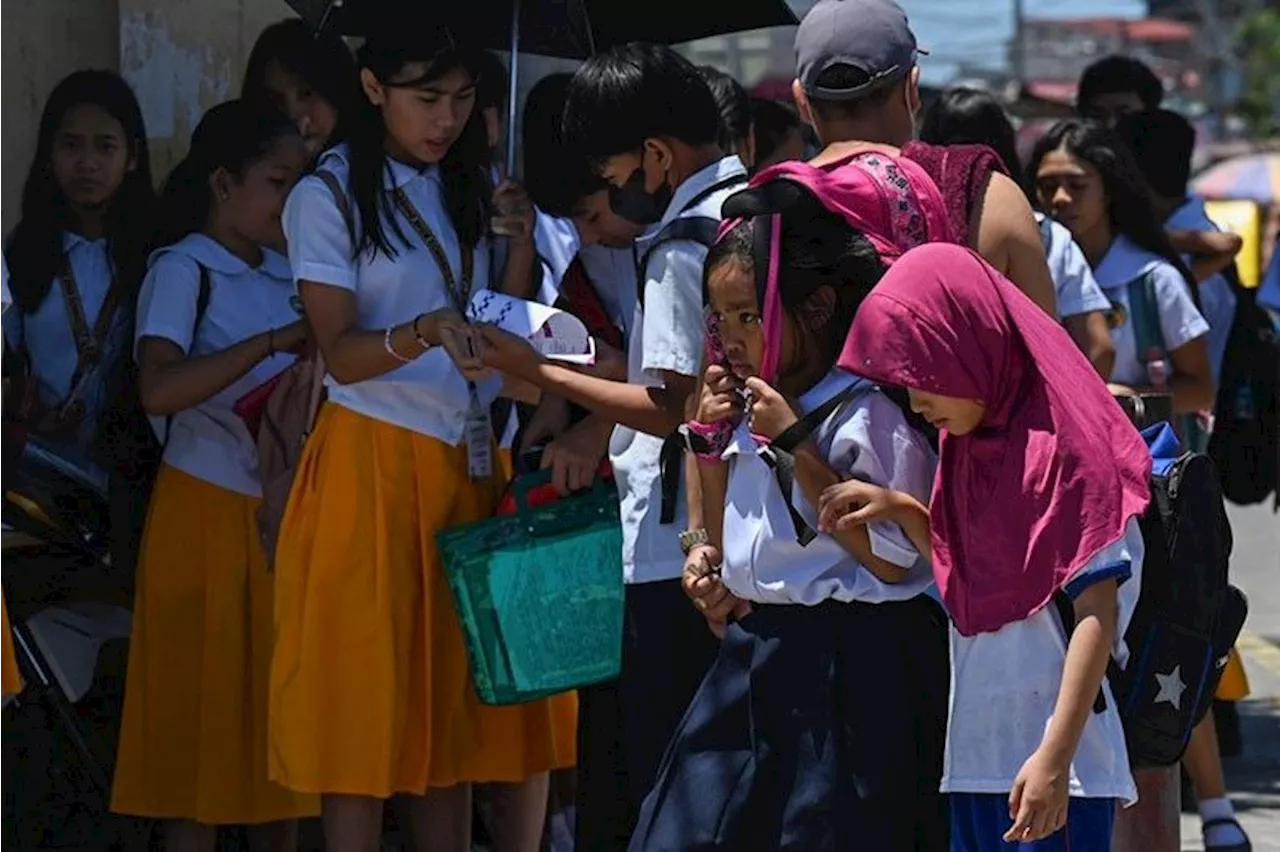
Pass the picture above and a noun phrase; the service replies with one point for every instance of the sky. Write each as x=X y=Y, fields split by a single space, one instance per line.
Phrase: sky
x=977 y=31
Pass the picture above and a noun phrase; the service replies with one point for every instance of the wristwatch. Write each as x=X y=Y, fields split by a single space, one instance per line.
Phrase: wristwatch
x=689 y=539
x=693 y=442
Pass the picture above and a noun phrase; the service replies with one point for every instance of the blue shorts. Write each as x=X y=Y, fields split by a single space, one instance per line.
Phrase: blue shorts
x=979 y=821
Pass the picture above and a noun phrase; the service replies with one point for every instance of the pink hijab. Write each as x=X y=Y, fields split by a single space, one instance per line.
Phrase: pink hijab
x=889 y=199
x=1055 y=471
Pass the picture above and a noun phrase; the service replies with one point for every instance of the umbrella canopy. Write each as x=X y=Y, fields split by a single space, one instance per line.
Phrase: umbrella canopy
x=1251 y=177
x=570 y=29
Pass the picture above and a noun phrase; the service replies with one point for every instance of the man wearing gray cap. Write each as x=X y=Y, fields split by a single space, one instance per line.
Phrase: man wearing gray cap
x=857 y=83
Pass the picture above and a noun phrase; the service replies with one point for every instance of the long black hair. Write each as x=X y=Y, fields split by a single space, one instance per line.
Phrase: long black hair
x=35 y=245
x=464 y=171
x=233 y=136
x=320 y=60
x=964 y=116
x=1129 y=207
x=818 y=248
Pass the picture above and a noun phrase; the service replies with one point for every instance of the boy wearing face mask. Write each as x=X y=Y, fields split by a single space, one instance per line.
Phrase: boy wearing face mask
x=645 y=120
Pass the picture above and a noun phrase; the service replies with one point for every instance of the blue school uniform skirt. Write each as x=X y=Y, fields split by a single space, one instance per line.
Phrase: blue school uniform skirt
x=979 y=822
x=817 y=728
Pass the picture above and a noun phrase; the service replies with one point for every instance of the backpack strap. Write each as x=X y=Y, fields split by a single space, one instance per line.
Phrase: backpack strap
x=780 y=454
x=202 y=306
x=339 y=195
x=1067 y=613
x=1144 y=316
x=696 y=229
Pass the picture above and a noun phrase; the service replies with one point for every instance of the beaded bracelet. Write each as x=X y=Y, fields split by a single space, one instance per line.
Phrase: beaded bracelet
x=386 y=344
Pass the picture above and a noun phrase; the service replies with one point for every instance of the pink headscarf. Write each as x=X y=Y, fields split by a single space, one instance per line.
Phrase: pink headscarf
x=889 y=199
x=1054 y=472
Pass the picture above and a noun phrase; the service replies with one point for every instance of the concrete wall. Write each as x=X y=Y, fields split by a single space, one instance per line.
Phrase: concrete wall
x=181 y=56
x=41 y=41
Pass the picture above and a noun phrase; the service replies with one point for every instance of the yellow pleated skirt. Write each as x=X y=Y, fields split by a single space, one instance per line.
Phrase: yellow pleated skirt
x=10 y=682
x=1234 y=685
x=371 y=692
x=193 y=739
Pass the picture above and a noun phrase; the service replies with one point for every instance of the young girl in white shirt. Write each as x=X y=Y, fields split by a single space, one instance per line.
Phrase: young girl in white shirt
x=1041 y=481
x=371 y=693
x=214 y=322
x=819 y=725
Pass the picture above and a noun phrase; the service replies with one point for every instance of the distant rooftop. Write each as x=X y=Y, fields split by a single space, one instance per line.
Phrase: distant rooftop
x=1141 y=30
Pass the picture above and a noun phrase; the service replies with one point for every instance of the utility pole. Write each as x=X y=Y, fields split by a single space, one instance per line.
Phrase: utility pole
x=1018 y=48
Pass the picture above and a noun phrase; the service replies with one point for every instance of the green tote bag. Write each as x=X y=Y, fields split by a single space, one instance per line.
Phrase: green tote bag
x=539 y=593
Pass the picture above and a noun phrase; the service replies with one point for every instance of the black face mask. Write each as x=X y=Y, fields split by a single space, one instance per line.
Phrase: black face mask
x=633 y=203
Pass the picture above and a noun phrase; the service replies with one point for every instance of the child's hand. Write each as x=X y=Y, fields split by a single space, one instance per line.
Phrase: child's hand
x=770 y=413
x=501 y=350
x=701 y=582
x=853 y=503
x=1038 y=803
x=720 y=399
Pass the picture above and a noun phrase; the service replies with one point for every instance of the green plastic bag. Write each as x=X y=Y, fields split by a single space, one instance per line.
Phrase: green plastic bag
x=539 y=593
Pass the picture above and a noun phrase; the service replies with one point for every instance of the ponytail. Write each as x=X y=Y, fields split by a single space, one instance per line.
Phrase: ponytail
x=232 y=136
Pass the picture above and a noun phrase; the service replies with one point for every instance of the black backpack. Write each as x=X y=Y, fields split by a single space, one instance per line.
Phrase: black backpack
x=1187 y=617
x=1245 y=444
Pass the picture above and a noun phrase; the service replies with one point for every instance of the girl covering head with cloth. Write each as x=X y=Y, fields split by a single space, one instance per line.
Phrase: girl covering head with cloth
x=780 y=747
x=1041 y=481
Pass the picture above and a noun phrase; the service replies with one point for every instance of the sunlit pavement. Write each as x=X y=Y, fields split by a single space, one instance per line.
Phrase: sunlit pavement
x=1253 y=779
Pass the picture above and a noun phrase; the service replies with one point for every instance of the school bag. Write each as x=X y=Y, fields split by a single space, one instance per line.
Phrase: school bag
x=1187 y=617
x=281 y=413
x=1245 y=444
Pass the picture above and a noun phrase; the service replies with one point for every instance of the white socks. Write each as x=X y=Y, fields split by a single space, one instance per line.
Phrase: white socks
x=1226 y=834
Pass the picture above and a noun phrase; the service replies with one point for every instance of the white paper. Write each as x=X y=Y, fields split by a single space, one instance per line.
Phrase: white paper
x=552 y=332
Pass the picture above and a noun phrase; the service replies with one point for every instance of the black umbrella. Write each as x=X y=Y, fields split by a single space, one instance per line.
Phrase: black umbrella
x=570 y=29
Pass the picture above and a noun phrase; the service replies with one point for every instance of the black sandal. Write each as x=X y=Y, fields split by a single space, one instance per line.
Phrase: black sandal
x=1246 y=846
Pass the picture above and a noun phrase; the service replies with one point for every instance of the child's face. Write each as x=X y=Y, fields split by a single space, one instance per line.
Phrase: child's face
x=599 y=225
x=958 y=416
x=315 y=117
x=91 y=156
x=423 y=121
x=731 y=293
x=1072 y=191
x=255 y=200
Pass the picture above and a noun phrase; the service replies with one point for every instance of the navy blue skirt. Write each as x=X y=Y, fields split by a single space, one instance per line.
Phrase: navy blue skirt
x=817 y=728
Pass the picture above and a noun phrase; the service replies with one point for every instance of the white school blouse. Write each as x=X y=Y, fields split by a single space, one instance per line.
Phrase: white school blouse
x=1078 y=292
x=46 y=332
x=667 y=336
x=210 y=441
x=1004 y=686
x=868 y=439
x=1180 y=322
x=427 y=395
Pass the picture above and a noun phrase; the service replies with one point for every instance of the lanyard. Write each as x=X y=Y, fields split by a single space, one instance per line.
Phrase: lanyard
x=89 y=343
x=459 y=295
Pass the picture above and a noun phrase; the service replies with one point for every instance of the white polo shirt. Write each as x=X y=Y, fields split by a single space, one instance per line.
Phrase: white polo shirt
x=1078 y=292
x=427 y=395
x=210 y=441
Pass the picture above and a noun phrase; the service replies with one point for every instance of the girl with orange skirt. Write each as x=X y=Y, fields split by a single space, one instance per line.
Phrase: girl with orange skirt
x=214 y=322
x=371 y=695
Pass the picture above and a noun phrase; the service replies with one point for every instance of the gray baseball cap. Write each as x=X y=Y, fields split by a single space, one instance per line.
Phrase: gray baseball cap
x=870 y=35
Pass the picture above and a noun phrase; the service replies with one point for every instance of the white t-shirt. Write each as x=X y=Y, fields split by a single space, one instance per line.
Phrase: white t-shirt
x=427 y=395
x=1217 y=301
x=557 y=242
x=1180 y=322
x=1004 y=686
x=1078 y=292
x=868 y=439
x=210 y=441
x=666 y=337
